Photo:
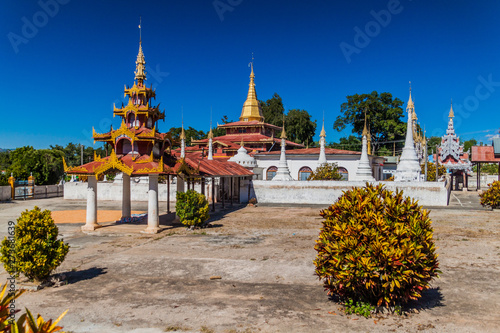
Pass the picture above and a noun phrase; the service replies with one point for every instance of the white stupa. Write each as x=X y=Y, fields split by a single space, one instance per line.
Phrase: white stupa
x=243 y=159
x=408 y=166
x=283 y=173
x=322 y=155
x=364 y=171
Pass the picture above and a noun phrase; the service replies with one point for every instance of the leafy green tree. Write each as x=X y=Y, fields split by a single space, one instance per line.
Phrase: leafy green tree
x=431 y=144
x=273 y=110
x=349 y=143
x=326 y=171
x=220 y=131
x=468 y=145
x=487 y=168
x=299 y=126
x=4 y=160
x=4 y=179
x=190 y=132
x=431 y=171
x=384 y=117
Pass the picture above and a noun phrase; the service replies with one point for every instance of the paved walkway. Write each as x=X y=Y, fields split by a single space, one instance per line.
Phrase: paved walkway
x=465 y=200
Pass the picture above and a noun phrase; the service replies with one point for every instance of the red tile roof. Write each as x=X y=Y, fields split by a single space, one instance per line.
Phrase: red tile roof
x=484 y=154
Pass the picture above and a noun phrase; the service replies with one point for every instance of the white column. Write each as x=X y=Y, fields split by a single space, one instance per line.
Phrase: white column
x=210 y=148
x=126 y=210
x=91 y=223
x=153 y=214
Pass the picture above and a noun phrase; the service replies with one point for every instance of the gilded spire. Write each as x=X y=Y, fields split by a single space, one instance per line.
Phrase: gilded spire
x=410 y=101
x=140 y=63
x=365 y=130
x=183 y=134
x=140 y=66
x=210 y=134
x=241 y=143
x=452 y=114
x=251 y=108
x=283 y=133
x=323 y=133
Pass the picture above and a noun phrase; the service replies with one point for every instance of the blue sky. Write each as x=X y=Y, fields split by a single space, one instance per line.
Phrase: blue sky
x=65 y=62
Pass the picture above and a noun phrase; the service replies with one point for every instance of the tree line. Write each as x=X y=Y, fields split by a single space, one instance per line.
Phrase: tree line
x=383 y=112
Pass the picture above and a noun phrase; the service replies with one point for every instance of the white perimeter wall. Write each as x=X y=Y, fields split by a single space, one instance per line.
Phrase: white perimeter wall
x=327 y=192
x=5 y=193
x=349 y=162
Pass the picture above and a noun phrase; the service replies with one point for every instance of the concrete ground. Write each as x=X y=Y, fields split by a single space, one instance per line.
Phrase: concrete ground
x=123 y=281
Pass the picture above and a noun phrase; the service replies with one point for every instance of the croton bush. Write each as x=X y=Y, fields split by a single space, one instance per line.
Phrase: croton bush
x=491 y=197
x=376 y=247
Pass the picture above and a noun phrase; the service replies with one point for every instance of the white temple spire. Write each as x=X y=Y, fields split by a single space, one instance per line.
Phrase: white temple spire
x=322 y=135
x=408 y=166
x=364 y=171
x=283 y=173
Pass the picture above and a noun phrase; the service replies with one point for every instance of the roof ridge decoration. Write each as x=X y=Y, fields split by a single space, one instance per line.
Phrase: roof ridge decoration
x=113 y=163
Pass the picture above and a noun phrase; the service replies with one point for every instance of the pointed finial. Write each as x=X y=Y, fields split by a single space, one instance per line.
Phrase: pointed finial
x=241 y=143
x=140 y=30
x=452 y=114
x=140 y=63
x=283 y=133
x=251 y=65
x=323 y=133
x=410 y=86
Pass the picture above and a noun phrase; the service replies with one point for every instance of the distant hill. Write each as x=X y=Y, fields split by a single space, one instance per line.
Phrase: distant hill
x=2 y=150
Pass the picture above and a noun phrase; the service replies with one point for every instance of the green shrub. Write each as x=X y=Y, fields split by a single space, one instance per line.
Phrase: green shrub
x=376 y=247
x=491 y=197
x=431 y=171
x=36 y=251
x=192 y=208
x=326 y=171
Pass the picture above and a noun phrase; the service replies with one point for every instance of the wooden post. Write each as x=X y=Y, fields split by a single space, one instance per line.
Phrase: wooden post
x=223 y=190
x=437 y=165
x=203 y=185
x=232 y=189
x=478 y=176
x=213 y=194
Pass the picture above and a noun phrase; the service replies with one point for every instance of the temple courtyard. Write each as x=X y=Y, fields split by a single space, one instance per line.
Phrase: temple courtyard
x=252 y=271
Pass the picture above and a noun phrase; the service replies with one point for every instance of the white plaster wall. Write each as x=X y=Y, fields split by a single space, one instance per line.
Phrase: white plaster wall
x=327 y=192
x=349 y=162
x=5 y=193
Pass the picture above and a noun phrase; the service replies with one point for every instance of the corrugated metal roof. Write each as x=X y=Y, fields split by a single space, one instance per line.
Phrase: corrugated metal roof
x=484 y=154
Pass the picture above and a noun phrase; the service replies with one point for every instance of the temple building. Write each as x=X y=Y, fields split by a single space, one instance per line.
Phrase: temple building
x=139 y=150
x=452 y=155
x=251 y=129
x=261 y=142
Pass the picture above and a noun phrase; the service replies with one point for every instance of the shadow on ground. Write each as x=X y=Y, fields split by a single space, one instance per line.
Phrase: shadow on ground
x=86 y=274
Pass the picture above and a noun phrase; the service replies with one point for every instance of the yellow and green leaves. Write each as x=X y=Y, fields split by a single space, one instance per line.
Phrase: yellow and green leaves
x=376 y=246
